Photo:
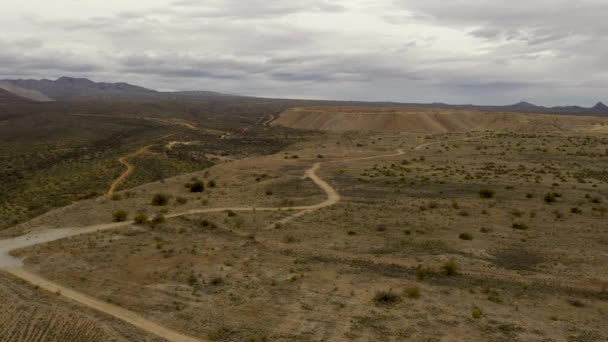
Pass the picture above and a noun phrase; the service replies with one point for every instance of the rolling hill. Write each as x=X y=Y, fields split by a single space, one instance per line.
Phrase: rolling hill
x=26 y=93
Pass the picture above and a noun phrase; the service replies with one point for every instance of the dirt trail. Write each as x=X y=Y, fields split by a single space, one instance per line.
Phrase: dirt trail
x=124 y=160
x=118 y=312
x=13 y=265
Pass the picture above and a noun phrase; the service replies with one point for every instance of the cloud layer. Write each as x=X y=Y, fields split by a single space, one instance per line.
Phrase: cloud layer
x=549 y=52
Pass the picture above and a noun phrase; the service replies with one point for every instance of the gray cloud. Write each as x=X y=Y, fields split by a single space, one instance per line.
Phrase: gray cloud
x=463 y=51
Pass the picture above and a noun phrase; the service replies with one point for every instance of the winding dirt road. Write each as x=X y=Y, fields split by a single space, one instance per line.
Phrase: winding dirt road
x=14 y=266
x=124 y=160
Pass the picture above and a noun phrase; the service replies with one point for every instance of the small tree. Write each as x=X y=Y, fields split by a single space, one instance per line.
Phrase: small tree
x=450 y=268
x=140 y=219
x=198 y=186
x=120 y=216
x=486 y=193
x=160 y=200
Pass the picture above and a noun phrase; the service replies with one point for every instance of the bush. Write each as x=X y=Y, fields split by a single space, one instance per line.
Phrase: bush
x=450 y=268
x=181 y=200
x=198 y=186
x=116 y=197
x=576 y=211
x=120 y=216
x=140 y=219
x=158 y=219
x=212 y=184
x=551 y=197
x=160 y=200
x=476 y=313
x=386 y=298
x=519 y=226
x=486 y=193
x=466 y=236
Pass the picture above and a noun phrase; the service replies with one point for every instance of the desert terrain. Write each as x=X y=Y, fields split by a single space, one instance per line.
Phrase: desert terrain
x=431 y=225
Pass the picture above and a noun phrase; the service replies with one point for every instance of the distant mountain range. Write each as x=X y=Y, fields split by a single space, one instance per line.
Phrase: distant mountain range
x=526 y=107
x=82 y=89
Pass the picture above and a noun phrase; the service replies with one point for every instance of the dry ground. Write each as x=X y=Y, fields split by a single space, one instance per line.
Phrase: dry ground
x=430 y=120
x=373 y=266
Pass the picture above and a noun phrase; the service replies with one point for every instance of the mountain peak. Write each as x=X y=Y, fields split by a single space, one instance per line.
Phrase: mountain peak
x=525 y=104
x=65 y=79
x=600 y=106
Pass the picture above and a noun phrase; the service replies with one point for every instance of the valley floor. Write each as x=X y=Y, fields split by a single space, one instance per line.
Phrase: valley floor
x=356 y=236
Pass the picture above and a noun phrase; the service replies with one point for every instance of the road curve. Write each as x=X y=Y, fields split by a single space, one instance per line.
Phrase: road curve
x=13 y=266
x=124 y=160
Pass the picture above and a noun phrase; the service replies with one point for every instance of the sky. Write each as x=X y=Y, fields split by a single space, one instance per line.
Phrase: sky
x=548 y=52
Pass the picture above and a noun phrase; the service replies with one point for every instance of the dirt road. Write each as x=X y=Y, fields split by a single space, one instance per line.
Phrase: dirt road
x=13 y=265
x=124 y=160
x=113 y=310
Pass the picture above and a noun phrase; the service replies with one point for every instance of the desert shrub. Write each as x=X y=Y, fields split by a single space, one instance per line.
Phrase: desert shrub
x=551 y=197
x=484 y=230
x=230 y=213
x=576 y=303
x=385 y=298
x=160 y=200
x=212 y=184
x=576 y=211
x=476 y=313
x=216 y=281
x=519 y=226
x=381 y=227
x=158 y=219
x=486 y=193
x=412 y=292
x=140 y=219
x=181 y=200
x=529 y=195
x=450 y=268
x=465 y=236
x=198 y=186
x=120 y=216
x=116 y=197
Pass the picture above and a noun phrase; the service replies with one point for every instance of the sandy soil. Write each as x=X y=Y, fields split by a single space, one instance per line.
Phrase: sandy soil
x=429 y=120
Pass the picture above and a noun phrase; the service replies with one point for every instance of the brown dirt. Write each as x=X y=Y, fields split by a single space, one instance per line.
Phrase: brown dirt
x=426 y=120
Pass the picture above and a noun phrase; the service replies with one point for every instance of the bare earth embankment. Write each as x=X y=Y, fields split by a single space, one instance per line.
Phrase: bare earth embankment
x=427 y=120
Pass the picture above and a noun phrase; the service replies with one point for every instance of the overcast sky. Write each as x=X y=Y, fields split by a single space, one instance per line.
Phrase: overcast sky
x=549 y=52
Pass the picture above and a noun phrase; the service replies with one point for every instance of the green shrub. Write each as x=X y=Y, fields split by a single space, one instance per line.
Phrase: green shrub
x=466 y=236
x=116 y=197
x=519 y=226
x=476 y=313
x=198 y=186
x=386 y=298
x=158 y=219
x=140 y=219
x=486 y=193
x=160 y=200
x=120 y=216
x=576 y=211
x=551 y=197
x=450 y=268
